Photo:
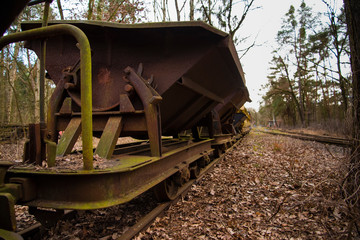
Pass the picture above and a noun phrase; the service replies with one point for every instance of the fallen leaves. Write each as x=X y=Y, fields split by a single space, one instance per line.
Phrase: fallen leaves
x=269 y=187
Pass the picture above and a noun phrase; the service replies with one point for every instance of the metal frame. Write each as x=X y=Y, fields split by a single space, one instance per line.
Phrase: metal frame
x=86 y=89
x=133 y=175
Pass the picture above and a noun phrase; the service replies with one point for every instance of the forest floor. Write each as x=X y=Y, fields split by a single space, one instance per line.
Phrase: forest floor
x=267 y=187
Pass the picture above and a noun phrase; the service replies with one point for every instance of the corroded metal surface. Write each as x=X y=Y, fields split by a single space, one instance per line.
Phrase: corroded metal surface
x=186 y=69
x=9 y=11
x=192 y=66
x=85 y=56
x=134 y=174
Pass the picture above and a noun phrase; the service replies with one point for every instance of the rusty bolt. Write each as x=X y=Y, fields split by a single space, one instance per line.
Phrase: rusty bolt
x=127 y=70
x=69 y=86
x=128 y=88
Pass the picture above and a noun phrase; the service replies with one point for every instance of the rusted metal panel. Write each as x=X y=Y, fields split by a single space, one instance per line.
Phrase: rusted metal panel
x=186 y=61
x=109 y=137
x=70 y=135
x=9 y=10
x=34 y=146
x=132 y=123
x=7 y=219
x=231 y=104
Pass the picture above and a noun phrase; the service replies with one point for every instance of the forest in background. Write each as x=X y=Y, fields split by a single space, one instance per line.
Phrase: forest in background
x=309 y=83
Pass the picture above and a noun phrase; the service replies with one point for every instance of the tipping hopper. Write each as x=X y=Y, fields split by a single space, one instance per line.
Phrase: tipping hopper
x=191 y=66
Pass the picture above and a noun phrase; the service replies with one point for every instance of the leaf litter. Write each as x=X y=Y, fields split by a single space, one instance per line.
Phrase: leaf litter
x=268 y=187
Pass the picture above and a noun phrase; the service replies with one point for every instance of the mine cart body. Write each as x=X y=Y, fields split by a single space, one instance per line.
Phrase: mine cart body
x=9 y=10
x=143 y=80
x=192 y=66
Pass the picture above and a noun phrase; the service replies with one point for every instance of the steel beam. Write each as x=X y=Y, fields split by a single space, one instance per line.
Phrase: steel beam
x=109 y=137
x=131 y=176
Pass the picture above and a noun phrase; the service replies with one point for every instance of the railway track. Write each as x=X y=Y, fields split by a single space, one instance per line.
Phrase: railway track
x=34 y=231
x=310 y=137
x=107 y=92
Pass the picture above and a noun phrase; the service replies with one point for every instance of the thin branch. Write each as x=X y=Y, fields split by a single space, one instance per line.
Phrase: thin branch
x=113 y=14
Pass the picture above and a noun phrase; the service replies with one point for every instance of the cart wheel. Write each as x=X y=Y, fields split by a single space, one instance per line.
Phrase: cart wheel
x=166 y=190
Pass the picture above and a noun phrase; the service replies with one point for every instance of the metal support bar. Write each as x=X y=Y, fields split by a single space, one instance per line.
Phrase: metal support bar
x=10 y=235
x=35 y=144
x=109 y=137
x=7 y=207
x=195 y=133
x=54 y=105
x=187 y=82
x=150 y=99
x=85 y=56
x=4 y=166
x=69 y=137
x=42 y=65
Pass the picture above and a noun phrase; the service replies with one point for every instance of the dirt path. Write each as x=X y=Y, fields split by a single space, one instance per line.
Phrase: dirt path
x=268 y=187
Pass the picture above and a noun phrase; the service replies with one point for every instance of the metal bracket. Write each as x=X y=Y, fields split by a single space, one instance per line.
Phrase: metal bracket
x=150 y=99
x=7 y=209
x=69 y=137
x=109 y=137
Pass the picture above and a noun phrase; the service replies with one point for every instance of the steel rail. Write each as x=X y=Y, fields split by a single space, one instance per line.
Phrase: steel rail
x=146 y=221
x=149 y=218
x=309 y=137
x=86 y=88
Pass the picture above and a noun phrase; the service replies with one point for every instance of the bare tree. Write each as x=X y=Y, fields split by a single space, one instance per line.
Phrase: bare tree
x=90 y=9
x=207 y=9
x=179 y=10
x=192 y=10
x=351 y=185
x=228 y=20
x=60 y=9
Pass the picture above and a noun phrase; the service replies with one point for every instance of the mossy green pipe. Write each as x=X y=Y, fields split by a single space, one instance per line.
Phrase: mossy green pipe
x=86 y=89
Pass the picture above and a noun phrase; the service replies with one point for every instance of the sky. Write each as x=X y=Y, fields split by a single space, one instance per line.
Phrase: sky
x=264 y=23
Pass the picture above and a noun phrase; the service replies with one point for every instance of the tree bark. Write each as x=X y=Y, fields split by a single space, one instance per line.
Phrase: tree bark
x=12 y=78
x=60 y=10
x=351 y=182
x=177 y=10
x=163 y=9
x=296 y=101
x=192 y=10
x=352 y=9
x=90 y=9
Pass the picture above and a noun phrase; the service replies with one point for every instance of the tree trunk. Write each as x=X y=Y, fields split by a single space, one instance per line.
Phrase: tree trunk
x=163 y=9
x=12 y=78
x=90 y=9
x=36 y=90
x=192 y=10
x=60 y=10
x=177 y=10
x=2 y=89
x=352 y=195
x=209 y=13
x=352 y=9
